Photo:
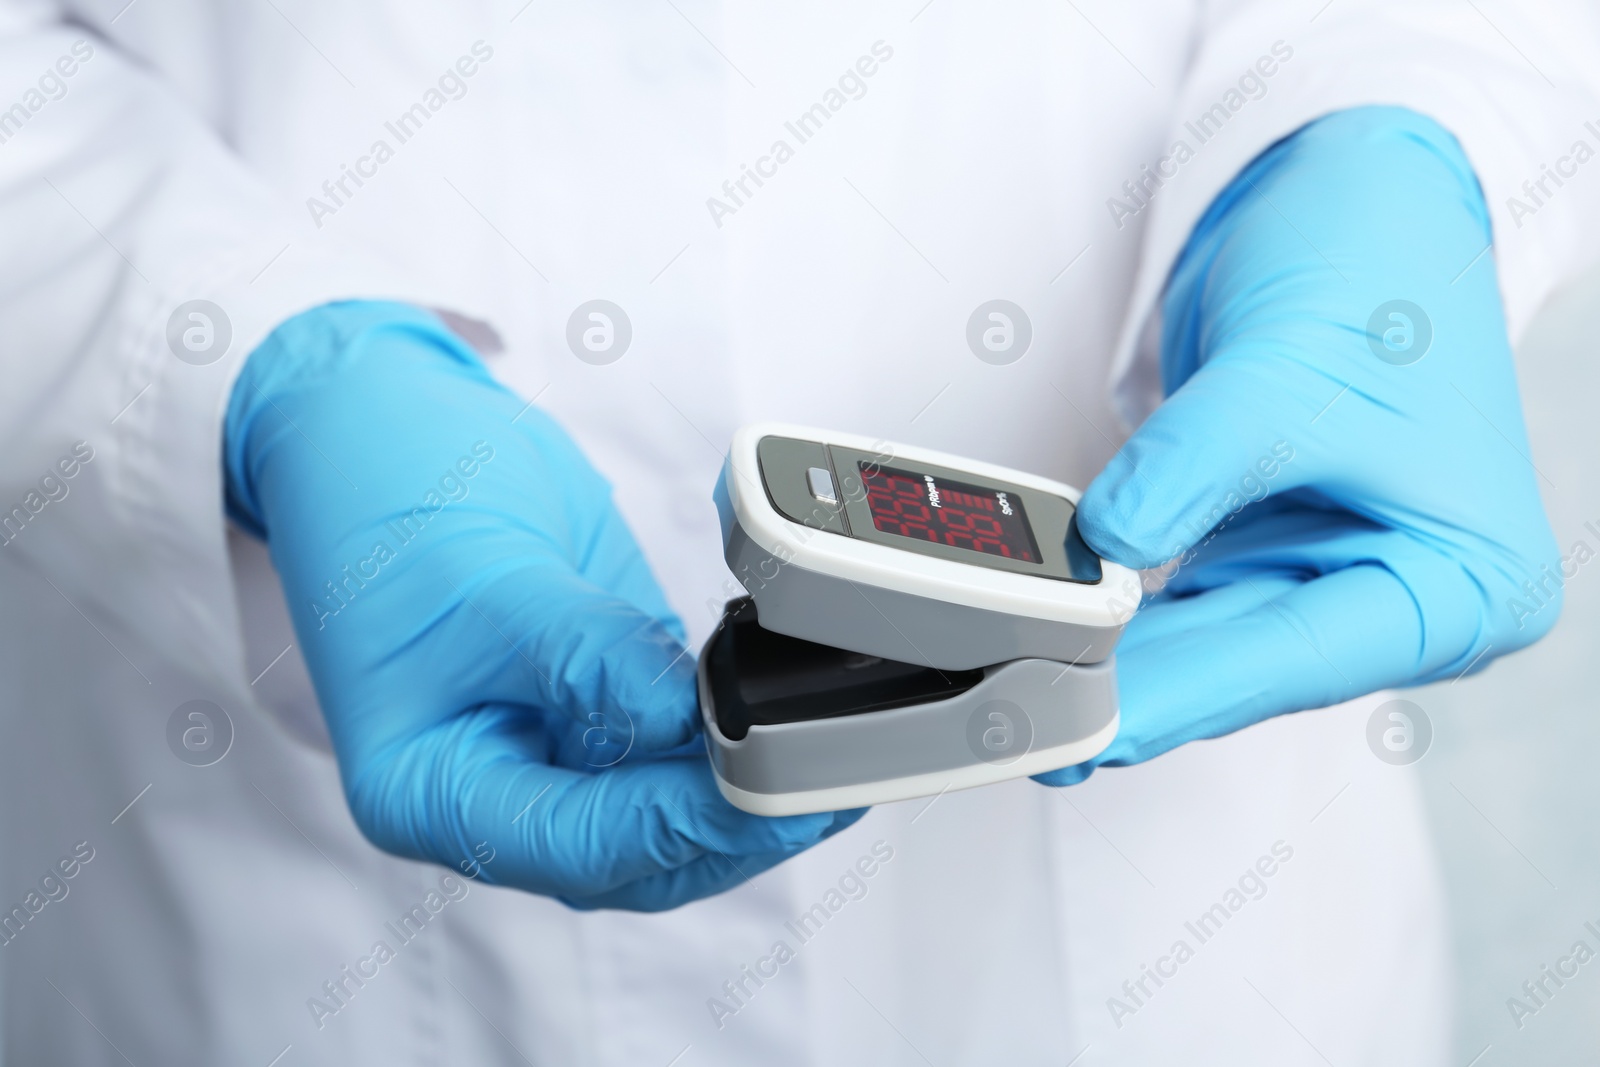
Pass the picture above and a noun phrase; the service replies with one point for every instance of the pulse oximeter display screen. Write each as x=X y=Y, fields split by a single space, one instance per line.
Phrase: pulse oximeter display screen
x=926 y=508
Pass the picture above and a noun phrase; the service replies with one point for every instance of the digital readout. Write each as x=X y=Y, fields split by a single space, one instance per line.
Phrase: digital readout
x=926 y=508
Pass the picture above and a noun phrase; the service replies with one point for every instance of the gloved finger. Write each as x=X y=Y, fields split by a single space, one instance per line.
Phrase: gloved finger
x=548 y=636
x=590 y=834
x=1289 y=536
x=1335 y=637
x=1169 y=617
x=1303 y=543
x=1077 y=774
x=1339 y=611
x=1169 y=614
x=601 y=546
x=613 y=561
x=1218 y=669
x=1232 y=433
x=703 y=877
x=1274 y=547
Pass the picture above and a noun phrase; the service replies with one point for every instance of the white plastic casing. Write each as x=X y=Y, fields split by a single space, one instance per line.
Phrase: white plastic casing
x=909 y=787
x=1106 y=604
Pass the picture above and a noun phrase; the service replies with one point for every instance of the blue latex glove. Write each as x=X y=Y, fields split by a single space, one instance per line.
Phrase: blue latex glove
x=484 y=671
x=1393 y=547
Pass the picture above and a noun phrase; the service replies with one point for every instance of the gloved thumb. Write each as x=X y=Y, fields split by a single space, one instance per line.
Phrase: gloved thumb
x=1225 y=438
x=580 y=651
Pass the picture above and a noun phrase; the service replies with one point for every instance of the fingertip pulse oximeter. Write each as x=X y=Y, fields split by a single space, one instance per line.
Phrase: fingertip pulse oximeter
x=915 y=623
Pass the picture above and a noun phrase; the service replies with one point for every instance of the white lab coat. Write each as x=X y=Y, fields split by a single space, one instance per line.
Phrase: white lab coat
x=179 y=163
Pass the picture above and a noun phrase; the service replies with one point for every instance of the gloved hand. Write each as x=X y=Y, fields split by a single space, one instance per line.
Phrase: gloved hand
x=500 y=673
x=1397 y=515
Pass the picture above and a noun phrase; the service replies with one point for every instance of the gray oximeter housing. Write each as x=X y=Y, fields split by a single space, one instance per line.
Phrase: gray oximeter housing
x=822 y=691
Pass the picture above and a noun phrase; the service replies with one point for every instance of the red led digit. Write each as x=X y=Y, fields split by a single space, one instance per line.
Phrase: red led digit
x=971 y=518
x=988 y=532
x=981 y=533
x=912 y=517
x=899 y=506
